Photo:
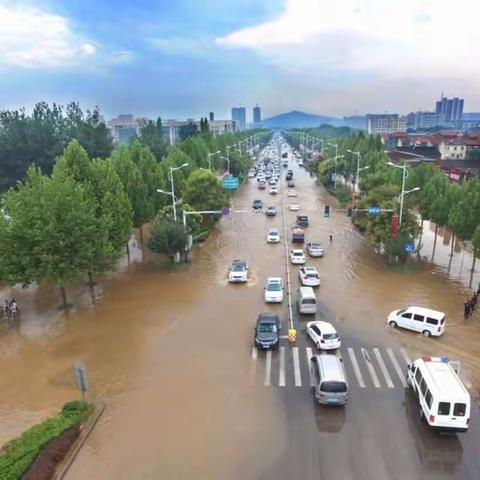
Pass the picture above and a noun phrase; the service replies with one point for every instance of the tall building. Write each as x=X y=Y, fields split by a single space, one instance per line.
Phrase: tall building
x=239 y=115
x=211 y=117
x=386 y=123
x=450 y=108
x=257 y=114
x=427 y=120
x=123 y=128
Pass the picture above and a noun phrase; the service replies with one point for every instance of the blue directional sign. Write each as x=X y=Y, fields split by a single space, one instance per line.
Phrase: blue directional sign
x=374 y=210
x=409 y=247
x=225 y=211
x=232 y=183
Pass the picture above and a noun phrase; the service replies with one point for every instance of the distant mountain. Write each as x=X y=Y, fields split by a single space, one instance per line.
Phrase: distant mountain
x=296 y=119
x=471 y=116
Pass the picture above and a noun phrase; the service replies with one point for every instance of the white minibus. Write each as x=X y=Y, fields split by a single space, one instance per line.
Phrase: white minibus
x=443 y=399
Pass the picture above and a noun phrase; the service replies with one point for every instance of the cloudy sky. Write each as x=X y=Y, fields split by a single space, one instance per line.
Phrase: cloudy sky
x=179 y=58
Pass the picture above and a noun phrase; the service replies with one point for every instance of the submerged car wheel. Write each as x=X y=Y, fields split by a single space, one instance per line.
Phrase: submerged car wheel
x=393 y=324
x=426 y=333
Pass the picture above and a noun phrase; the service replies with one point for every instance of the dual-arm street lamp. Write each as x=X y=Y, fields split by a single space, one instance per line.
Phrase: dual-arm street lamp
x=357 y=176
x=404 y=176
x=172 y=193
x=337 y=156
x=210 y=155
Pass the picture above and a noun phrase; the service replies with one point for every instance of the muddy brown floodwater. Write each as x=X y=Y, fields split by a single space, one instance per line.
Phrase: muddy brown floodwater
x=168 y=348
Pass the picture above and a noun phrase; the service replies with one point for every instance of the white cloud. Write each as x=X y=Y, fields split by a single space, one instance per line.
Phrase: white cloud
x=32 y=38
x=411 y=38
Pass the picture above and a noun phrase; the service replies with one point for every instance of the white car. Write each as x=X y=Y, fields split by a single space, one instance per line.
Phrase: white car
x=294 y=207
x=309 y=276
x=297 y=257
x=251 y=174
x=291 y=192
x=274 y=290
x=273 y=189
x=323 y=335
x=238 y=272
x=273 y=236
x=419 y=319
x=315 y=249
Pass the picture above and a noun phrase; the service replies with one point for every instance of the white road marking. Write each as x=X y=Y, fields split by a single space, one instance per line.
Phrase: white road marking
x=397 y=367
x=296 y=367
x=309 y=358
x=268 y=368
x=281 y=373
x=371 y=370
x=356 y=368
x=254 y=353
x=383 y=367
x=405 y=356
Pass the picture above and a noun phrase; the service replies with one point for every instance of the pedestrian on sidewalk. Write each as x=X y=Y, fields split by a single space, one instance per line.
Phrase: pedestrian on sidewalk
x=330 y=236
x=466 y=311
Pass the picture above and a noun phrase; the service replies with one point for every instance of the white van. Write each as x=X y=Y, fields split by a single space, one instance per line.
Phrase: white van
x=330 y=384
x=443 y=399
x=306 y=300
x=419 y=319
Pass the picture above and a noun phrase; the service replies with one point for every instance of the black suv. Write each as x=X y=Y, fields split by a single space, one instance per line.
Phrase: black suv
x=302 y=221
x=267 y=331
x=257 y=204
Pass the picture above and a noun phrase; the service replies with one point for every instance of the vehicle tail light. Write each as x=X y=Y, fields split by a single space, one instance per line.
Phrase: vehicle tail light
x=439 y=329
x=431 y=418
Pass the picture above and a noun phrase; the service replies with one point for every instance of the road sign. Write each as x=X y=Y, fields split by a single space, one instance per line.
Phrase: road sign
x=225 y=211
x=81 y=377
x=374 y=210
x=231 y=183
x=409 y=247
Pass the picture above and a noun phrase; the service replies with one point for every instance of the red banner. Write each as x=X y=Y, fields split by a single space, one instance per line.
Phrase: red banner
x=394 y=226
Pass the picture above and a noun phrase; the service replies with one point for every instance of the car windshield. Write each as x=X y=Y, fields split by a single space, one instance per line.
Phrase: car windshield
x=273 y=232
x=403 y=310
x=312 y=275
x=267 y=328
x=333 y=387
x=330 y=336
x=299 y=254
x=238 y=267
x=315 y=245
x=274 y=287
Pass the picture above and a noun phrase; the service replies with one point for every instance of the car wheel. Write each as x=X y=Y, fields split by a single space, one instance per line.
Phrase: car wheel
x=426 y=333
x=393 y=324
x=422 y=415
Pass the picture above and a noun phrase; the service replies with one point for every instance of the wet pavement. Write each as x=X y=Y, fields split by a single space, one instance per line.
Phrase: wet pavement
x=170 y=350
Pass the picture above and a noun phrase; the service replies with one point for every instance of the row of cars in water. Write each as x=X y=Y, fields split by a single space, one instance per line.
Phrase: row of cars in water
x=443 y=400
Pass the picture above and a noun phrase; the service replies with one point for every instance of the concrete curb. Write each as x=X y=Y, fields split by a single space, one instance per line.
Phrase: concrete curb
x=67 y=462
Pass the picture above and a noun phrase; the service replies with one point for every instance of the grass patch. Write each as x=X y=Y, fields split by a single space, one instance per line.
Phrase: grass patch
x=17 y=455
x=203 y=234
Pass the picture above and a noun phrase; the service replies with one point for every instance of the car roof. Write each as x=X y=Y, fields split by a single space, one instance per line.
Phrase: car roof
x=274 y=279
x=297 y=250
x=325 y=327
x=267 y=317
x=426 y=311
x=331 y=367
x=310 y=269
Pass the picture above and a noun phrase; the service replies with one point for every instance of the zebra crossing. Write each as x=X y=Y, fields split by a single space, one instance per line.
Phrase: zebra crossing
x=372 y=367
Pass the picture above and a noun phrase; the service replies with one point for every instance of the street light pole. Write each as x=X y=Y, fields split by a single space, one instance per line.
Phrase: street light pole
x=404 y=176
x=210 y=155
x=173 y=169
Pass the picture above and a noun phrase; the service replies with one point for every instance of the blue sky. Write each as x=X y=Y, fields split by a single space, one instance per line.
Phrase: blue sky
x=184 y=58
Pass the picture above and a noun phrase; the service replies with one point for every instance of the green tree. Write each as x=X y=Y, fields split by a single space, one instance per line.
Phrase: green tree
x=50 y=232
x=151 y=136
x=203 y=191
x=167 y=238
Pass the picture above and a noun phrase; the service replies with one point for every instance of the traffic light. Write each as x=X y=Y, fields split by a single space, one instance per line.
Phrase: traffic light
x=326 y=211
x=349 y=210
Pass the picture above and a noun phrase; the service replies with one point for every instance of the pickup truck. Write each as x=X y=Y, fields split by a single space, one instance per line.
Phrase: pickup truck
x=298 y=235
x=302 y=221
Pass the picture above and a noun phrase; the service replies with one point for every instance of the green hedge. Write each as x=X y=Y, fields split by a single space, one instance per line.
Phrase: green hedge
x=18 y=454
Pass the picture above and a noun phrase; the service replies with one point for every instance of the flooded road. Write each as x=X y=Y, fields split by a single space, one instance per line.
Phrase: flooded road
x=169 y=349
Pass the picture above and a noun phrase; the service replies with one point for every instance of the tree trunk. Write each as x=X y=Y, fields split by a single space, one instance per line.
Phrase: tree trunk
x=91 y=284
x=421 y=236
x=128 y=254
x=453 y=243
x=474 y=259
x=435 y=240
x=141 y=234
x=64 y=298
